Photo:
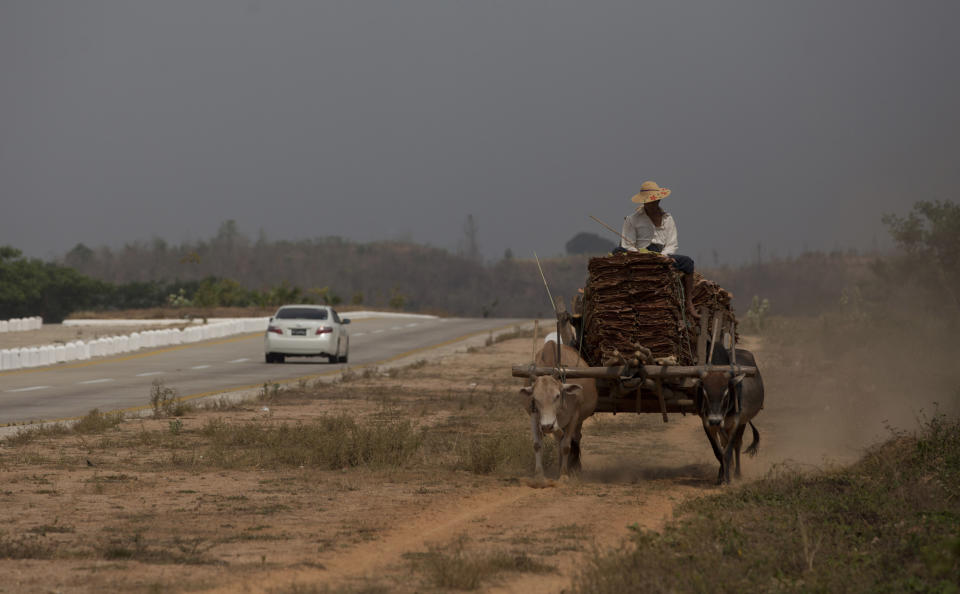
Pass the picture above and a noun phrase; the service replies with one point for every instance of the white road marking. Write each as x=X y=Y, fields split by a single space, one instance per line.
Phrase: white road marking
x=377 y=331
x=359 y=334
x=30 y=389
x=102 y=380
x=238 y=360
x=146 y=373
x=397 y=328
x=199 y=367
x=412 y=325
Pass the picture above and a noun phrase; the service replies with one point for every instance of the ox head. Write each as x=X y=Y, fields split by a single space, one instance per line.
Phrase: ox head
x=718 y=393
x=552 y=401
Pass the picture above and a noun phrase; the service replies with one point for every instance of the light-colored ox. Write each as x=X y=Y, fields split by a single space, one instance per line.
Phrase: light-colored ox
x=559 y=408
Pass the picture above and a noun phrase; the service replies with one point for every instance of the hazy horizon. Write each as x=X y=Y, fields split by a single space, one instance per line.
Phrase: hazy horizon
x=793 y=126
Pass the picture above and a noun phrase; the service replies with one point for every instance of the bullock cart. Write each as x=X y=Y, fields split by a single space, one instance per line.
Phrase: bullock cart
x=645 y=352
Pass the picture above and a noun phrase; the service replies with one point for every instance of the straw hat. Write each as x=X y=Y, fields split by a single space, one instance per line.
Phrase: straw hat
x=650 y=192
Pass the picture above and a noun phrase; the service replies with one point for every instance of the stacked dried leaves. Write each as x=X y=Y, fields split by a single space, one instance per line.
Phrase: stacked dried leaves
x=637 y=299
x=709 y=294
x=631 y=299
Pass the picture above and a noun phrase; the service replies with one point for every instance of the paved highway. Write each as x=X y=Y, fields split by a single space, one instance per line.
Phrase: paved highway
x=236 y=363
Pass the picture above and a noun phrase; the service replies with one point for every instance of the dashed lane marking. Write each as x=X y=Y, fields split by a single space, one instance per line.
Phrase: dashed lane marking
x=377 y=331
x=30 y=389
x=239 y=360
x=146 y=373
x=102 y=380
x=200 y=367
x=359 y=334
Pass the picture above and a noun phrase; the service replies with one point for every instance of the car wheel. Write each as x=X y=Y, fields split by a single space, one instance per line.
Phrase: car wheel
x=268 y=357
x=332 y=358
x=343 y=357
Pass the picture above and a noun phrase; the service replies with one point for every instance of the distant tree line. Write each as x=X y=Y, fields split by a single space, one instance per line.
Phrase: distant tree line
x=231 y=270
x=235 y=270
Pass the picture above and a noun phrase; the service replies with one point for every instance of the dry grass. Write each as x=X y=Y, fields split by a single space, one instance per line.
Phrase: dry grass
x=91 y=423
x=133 y=489
x=451 y=567
x=329 y=442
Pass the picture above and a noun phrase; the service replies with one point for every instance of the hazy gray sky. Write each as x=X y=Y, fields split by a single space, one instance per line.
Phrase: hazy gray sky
x=791 y=124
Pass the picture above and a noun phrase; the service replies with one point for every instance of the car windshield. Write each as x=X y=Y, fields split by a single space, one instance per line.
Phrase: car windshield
x=301 y=313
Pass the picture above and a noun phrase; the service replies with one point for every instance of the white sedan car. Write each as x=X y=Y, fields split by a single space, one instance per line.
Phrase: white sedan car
x=307 y=331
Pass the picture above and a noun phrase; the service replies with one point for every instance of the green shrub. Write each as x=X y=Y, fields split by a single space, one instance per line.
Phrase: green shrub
x=887 y=524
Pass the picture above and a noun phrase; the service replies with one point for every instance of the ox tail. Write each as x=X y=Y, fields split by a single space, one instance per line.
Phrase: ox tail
x=755 y=446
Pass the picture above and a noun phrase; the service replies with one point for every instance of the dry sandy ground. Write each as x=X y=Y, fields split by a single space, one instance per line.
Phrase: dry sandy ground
x=305 y=529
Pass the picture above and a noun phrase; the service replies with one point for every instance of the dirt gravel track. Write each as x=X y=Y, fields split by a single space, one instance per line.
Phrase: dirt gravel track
x=119 y=512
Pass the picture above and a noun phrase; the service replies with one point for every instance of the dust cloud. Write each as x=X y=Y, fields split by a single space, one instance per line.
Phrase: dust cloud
x=836 y=386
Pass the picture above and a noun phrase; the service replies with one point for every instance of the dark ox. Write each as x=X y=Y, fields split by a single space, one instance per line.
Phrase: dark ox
x=727 y=405
x=559 y=407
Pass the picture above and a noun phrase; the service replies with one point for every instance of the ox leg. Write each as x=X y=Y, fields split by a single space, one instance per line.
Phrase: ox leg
x=727 y=462
x=537 y=445
x=712 y=438
x=565 y=456
x=575 y=465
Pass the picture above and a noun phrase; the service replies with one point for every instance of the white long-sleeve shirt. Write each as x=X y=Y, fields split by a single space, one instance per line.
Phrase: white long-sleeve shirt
x=639 y=232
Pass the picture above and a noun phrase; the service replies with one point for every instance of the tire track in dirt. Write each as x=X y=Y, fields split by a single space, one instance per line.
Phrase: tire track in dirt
x=363 y=559
x=559 y=525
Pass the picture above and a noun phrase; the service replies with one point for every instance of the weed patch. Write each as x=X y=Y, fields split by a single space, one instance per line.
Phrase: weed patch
x=165 y=401
x=27 y=546
x=191 y=551
x=330 y=442
x=509 y=452
x=97 y=422
x=887 y=524
x=365 y=373
x=452 y=568
x=93 y=422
